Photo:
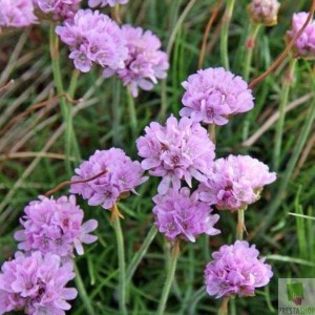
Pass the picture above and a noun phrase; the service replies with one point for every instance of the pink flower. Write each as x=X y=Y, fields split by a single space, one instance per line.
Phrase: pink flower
x=94 y=38
x=180 y=150
x=103 y=3
x=123 y=176
x=236 y=270
x=213 y=95
x=17 y=13
x=55 y=226
x=235 y=182
x=145 y=63
x=36 y=284
x=305 y=44
x=60 y=9
x=179 y=214
x=264 y=11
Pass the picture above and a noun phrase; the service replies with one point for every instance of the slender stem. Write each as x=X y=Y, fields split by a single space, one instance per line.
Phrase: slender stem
x=73 y=83
x=225 y=33
x=82 y=292
x=137 y=258
x=240 y=224
x=169 y=278
x=121 y=259
x=250 y=45
x=65 y=108
x=211 y=132
x=223 y=310
x=132 y=113
x=195 y=298
x=282 y=109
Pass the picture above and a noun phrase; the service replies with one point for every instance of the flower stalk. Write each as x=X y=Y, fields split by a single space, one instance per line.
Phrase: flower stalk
x=240 y=224
x=169 y=277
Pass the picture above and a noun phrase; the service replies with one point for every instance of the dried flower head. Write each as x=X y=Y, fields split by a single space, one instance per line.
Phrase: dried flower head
x=305 y=44
x=94 y=38
x=235 y=182
x=180 y=150
x=264 y=11
x=236 y=270
x=179 y=214
x=59 y=9
x=36 y=284
x=145 y=63
x=103 y=3
x=122 y=175
x=55 y=226
x=17 y=13
x=213 y=95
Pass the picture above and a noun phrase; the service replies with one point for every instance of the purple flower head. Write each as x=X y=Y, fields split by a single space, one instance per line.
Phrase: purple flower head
x=236 y=270
x=60 y=9
x=236 y=181
x=305 y=44
x=55 y=226
x=103 y=3
x=36 y=284
x=213 y=95
x=17 y=13
x=94 y=38
x=121 y=176
x=264 y=11
x=179 y=150
x=146 y=62
x=179 y=214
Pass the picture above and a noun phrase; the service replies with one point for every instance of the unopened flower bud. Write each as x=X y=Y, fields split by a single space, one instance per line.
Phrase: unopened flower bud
x=264 y=11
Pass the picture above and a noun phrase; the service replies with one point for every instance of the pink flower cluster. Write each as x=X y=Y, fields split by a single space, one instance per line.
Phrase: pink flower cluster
x=235 y=182
x=17 y=13
x=236 y=270
x=305 y=44
x=180 y=214
x=103 y=3
x=60 y=9
x=213 y=95
x=180 y=150
x=55 y=226
x=132 y=54
x=36 y=284
x=121 y=176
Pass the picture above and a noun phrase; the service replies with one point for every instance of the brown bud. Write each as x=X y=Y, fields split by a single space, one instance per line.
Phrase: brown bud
x=264 y=11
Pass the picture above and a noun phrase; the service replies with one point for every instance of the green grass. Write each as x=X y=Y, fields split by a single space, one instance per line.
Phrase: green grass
x=281 y=224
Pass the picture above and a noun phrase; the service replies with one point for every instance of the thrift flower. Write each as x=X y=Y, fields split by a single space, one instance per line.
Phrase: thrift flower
x=103 y=3
x=36 y=284
x=264 y=11
x=179 y=150
x=305 y=44
x=179 y=214
x=17 y=13
x=145 y=63
x=236 y=181
x=236 y=270
x=55 y=226
x=94 y=38
x=122 y=176
x=213 y=95
x=60 y=9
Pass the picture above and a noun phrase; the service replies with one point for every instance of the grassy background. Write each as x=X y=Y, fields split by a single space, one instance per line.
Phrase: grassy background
x=32 y=155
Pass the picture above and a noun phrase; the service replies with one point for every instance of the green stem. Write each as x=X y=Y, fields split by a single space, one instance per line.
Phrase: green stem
x=240 y=224
x=65 y=107
x=301 y=140
x=137 y=258
x=132 y=114
x=73 y=83
x=169 y=278
x=254 y=29
x=196 y=297
x=225 y=33
x=280 y=124
x=121 y=263
x=82 y=292
x=223 y=310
